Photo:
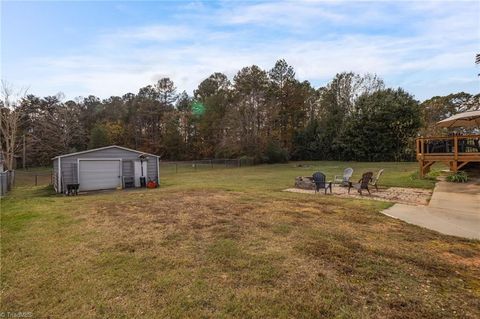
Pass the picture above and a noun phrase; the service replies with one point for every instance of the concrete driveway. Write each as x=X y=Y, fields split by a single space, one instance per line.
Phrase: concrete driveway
x=454 y=209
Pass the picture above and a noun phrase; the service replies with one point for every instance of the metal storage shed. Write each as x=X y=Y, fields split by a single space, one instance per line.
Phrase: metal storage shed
x=104 y=168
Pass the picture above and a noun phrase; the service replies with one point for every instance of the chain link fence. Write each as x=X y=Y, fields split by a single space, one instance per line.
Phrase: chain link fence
x=44 y=177
x=33 y=178
x=173 y=167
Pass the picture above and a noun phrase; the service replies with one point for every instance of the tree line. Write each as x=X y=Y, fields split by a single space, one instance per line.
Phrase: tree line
x=268 y=115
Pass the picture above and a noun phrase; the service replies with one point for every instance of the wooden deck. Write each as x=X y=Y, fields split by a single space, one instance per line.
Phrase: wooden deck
x=455 y=151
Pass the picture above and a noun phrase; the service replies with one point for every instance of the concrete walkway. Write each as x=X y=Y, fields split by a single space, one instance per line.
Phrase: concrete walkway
x=454 y=209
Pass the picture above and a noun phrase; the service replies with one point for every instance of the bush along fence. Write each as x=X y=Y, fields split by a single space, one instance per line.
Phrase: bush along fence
x=7 y=180
x=201 y=165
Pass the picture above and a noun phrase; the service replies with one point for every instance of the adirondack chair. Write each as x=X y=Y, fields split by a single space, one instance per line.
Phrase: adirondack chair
x=345 y=179
x=374 y=181
x=362 y=183
x=320 y=183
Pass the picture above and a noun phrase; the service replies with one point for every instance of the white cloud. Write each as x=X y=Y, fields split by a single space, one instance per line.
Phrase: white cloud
x=157 y=33
x=437 y=38
x=280 y=13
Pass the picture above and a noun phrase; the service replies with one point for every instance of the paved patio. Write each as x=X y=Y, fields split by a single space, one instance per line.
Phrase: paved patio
x=454 y=209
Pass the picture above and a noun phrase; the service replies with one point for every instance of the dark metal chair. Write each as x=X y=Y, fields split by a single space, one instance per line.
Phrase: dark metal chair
x=439 y=147
x=468 y=146
x=362 y=183
x=320 y=182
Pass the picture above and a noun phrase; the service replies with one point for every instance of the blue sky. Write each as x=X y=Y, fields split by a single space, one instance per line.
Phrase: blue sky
x=114 y=47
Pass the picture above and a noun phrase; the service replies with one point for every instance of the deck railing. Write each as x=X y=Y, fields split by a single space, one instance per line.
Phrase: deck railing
x=455 y=151
x=453 y=147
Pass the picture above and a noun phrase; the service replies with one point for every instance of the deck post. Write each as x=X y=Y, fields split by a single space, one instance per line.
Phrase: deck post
x=455 y=147
x=455 y=154
x=422 y=148
x=454 y=166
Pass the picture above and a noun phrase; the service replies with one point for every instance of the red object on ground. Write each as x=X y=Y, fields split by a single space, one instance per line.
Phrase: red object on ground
x=152 y=184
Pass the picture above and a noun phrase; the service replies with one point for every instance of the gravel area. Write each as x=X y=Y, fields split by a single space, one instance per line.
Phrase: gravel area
x=412 y=196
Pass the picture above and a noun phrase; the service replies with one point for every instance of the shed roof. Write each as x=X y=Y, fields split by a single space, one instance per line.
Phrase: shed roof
x=104 y=148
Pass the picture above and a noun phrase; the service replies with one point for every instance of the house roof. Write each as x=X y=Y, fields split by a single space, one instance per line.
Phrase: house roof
x=104 y=148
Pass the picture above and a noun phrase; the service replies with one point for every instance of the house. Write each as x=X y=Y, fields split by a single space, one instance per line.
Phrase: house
x=108 y=167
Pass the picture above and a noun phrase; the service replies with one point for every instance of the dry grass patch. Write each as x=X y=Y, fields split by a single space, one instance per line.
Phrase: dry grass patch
x=199 y=253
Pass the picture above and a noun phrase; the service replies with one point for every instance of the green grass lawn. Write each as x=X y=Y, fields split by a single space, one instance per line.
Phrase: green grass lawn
x=228 y=243
x=281 y=176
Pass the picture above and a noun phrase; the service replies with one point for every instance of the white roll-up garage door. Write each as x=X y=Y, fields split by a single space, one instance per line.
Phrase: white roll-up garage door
x=99 y=174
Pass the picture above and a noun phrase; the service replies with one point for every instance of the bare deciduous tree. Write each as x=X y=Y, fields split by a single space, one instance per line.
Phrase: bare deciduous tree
x=10 y=117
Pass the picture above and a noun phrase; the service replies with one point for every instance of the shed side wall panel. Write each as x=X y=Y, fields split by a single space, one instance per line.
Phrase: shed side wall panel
x=152 y=169
x=127 y=168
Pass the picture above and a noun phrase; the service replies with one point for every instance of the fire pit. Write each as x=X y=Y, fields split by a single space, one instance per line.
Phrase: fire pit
x=304 y=182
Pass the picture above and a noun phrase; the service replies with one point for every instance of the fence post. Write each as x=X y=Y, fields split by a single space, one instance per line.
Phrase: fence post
x=1 y=183
x=9 y=180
